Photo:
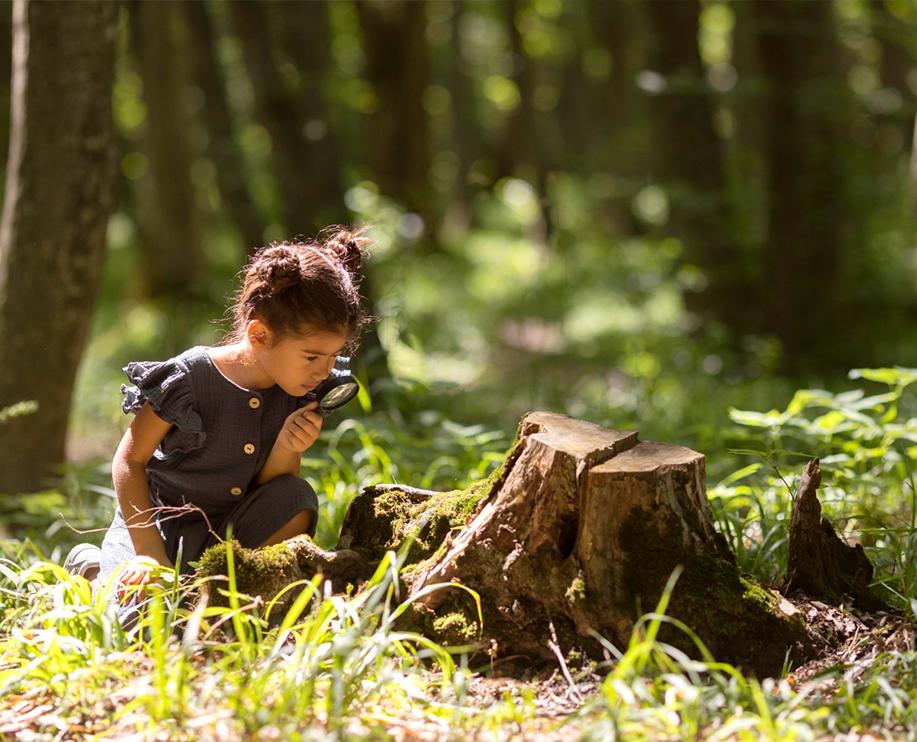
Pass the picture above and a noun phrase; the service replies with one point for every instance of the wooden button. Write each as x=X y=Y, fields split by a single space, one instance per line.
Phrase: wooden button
x=236 y=491
x=249 y=448
x=254 y=403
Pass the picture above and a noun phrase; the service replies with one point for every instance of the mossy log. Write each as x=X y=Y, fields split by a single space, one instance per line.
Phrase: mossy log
x=267 y=572
x=819 y=562
x=573 y=538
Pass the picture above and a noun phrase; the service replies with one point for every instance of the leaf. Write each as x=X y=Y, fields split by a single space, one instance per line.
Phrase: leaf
x=757 y=419
x=896 y=376
x=740 y=474
x=831 y=421
x=748 y=452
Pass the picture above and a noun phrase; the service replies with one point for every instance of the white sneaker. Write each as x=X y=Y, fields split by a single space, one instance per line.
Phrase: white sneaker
x=84 y=560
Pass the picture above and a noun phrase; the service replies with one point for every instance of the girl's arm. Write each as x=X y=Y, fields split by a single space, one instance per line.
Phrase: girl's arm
x=299 y=431
x=129 y=474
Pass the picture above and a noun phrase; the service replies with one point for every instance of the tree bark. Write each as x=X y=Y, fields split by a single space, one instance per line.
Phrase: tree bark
x=6 y=73
x=806 y=214
x=60 y=191
x=311 y=196
x=398 y=139
x=896 y=37
x=581 y=536
x=303 y=34
x=690 y=163
x=614 y=29
x=528 y=148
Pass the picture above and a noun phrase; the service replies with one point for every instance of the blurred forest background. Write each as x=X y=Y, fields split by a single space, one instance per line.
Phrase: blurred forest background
x=636 y=213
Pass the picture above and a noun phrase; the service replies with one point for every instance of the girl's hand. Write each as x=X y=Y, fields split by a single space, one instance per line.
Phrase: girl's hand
x=138 y=571
x=301 y=429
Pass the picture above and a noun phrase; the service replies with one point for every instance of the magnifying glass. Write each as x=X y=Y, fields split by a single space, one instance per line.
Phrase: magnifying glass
x=336 y=391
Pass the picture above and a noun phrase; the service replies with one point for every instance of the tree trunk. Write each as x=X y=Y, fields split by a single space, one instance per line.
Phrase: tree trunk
x=222 y=148
x=525 y=142
x=577 y=535
x=171 y=254
x=896 y=37
x=614 y=30
x=59 y=195
x=398 y=138
x=6 y=73
x=310 y=195
x=689 y=162
x=466 y=140
x=581 y=535
x=303 y=36
x=807 y=217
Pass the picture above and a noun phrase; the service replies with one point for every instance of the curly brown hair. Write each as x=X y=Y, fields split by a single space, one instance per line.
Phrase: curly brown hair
x=301 y=286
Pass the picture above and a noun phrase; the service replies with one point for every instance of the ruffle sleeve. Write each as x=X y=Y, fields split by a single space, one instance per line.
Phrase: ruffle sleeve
x=167 y=387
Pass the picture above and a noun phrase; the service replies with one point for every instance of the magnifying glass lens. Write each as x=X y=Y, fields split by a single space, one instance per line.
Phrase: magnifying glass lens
x=339 y=395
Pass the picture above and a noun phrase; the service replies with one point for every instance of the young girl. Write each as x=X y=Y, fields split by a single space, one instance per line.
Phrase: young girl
x=219 y=431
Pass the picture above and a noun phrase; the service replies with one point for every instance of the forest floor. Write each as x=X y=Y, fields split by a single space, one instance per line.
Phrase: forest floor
x=553 y=707
x=852 y=639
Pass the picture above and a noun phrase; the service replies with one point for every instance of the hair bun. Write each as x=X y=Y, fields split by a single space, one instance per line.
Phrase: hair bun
x=278 y=266
x=346 y=247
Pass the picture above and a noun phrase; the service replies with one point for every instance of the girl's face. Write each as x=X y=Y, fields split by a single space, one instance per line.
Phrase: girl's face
x=298 y=363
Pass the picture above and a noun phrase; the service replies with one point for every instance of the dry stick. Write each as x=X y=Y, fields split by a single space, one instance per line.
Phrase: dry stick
x=404 y=488
x=175 y=511
x=555 y=648
x=785 y=484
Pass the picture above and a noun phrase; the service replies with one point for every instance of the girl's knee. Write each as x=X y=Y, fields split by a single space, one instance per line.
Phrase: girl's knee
x=301 y=523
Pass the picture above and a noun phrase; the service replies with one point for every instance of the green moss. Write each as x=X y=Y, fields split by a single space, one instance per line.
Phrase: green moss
x=448 y=511
x=576 y=593
x=427 y=522
x=455 y=628
x=262 y=571
x=739 y=621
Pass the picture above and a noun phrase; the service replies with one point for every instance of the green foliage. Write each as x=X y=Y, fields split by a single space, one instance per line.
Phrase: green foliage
x=332 y=662
x=865 y=441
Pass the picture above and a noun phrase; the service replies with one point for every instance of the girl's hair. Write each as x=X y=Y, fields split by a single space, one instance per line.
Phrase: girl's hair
x=294 y=287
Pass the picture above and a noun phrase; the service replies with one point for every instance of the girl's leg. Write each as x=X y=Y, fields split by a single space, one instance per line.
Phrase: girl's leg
x=280 y=509
x=299 y=524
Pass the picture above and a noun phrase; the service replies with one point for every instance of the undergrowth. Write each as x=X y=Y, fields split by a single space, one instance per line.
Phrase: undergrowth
x=866 y=443
x=337 y=666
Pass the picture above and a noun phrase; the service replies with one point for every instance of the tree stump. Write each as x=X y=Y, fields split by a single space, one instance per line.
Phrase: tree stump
x=579 y=537
x=573 y=538
x=819 y=562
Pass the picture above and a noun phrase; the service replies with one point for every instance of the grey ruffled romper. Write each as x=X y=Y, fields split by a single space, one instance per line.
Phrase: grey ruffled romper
x=221 y=437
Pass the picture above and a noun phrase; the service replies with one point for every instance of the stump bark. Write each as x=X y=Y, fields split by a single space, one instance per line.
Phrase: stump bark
x=578 y=538
x=574 y=538
x=819 y=562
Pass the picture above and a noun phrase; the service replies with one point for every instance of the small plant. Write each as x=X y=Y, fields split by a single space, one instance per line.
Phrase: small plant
x=865 y=445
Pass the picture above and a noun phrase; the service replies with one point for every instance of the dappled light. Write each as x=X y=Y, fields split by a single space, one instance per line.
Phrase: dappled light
x=691 y=219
